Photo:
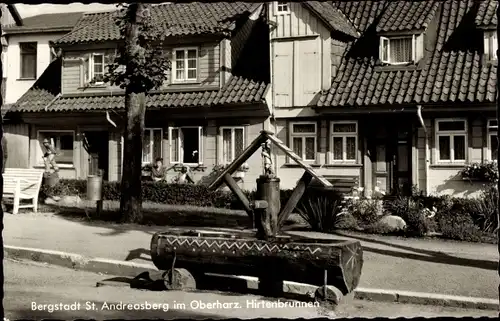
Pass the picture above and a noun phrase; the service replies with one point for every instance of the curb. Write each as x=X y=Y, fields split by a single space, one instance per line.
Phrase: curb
x=132 y=269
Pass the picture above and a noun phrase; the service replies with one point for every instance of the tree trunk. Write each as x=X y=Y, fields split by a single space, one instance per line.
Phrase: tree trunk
x=1 y=189
x=135 y=106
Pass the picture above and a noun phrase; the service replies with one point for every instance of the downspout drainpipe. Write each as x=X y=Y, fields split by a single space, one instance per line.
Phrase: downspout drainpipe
x=426 y=152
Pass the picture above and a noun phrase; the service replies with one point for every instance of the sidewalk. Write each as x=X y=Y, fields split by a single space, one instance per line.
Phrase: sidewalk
x=432 y=266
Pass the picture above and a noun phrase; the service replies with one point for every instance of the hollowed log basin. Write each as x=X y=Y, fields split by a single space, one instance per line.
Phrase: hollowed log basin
x=295 y=259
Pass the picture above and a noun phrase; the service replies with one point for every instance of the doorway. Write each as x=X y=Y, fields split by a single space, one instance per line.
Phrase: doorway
x=392 y=166
x=96 y=145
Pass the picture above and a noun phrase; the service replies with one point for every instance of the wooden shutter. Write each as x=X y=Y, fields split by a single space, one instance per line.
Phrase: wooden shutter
x=283 y=74
x=308 y=76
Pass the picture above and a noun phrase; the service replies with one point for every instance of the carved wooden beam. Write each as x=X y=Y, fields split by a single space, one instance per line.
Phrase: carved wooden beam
x=249 y=151
x=294 y=198
x=233 y=186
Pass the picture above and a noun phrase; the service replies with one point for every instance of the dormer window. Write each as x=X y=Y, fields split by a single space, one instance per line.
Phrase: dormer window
x=398 y=50
x=490 y=44
x=282 y=7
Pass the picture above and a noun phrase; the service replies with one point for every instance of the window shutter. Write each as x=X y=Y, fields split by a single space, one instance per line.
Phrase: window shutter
x=384 y=50
x=86 y=70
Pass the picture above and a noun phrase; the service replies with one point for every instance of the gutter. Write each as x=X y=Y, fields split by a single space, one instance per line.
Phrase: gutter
x=426 y=152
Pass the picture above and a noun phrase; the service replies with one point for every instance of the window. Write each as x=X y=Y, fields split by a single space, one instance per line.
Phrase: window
x=28 y=59
x=303 y=140
x=185 y=65
x=62 y=142
x=344 y=141
x=232 y=142
x=282 y=7
x=492 y=154
x=152 y=145
x=94 y=69
x=186 y=145
x=490 y=44
x=397 y=50
x=451 y=140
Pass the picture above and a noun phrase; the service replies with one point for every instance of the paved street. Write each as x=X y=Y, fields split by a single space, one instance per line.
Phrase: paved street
x=431 y=266
x=28 y=284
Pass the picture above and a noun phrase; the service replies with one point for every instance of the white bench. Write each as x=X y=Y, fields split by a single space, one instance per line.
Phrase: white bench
x=22 y=184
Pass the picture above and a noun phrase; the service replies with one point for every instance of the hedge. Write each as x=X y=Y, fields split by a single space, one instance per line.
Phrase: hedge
x=168 y=193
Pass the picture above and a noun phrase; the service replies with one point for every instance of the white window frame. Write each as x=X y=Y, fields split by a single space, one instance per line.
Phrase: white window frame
x=281 y=4
x=151 y=145
x=492 y=131
x=186 y=68
x=491 y=44
x=40 y=162
x=233 y=142
x=90 y=68
x=388 y=40
x=314 y=135
x=451 y=134
x=180 y=147
x=344 y=136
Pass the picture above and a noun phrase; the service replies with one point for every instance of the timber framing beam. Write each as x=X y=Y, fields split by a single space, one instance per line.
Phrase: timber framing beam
x=294 y=198
x=233 y=186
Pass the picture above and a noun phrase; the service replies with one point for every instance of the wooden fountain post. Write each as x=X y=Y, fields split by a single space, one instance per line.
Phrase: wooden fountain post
x=266 y=222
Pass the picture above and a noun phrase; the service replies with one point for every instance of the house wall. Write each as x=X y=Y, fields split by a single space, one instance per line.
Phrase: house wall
x=17 y=137
x=16 y=87
x=73 y=68
x=290 y=173
x=445 y=179
x=301 y=56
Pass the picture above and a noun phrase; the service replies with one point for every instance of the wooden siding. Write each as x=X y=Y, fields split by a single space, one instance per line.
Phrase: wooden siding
x=73 y=70
x=298 y=22
x=18 y=142
x=301 y=57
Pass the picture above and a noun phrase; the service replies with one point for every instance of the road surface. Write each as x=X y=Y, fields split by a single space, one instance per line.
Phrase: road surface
x=36 y=290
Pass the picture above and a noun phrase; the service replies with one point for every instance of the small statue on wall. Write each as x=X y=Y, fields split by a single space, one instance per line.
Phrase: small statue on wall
x=266 y=158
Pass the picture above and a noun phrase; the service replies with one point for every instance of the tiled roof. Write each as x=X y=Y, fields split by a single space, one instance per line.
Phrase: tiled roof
x=52 y=21
x=172 y=19
x=333 y=17
x=361 y=13
x=237 y=90
x=407 y=16
x=486 y=14
x=448 y=75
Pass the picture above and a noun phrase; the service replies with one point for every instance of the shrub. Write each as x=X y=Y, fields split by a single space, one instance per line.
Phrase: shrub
x=348 y=222
x=365 y=211
x=484 y=210
x=459 y=227
x=378 y=228
x=412 y=211
x=322 y=213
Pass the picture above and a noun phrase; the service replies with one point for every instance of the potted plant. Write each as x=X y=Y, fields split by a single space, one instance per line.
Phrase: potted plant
x=483 y=172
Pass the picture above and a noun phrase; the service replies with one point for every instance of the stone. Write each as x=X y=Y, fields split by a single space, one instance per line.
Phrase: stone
x=333 y=295
x=393 y=223
x=51 y=201
x=68 y=201
x=181 y=280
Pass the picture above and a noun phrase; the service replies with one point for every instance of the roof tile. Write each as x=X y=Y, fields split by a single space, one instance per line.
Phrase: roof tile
x=171 y=19
x=486 y=14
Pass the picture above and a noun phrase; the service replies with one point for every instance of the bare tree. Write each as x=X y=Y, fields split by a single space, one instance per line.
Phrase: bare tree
x=146 y=68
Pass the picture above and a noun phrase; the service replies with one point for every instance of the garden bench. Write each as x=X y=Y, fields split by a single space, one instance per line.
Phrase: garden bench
x=343 y=184
x=22 y=184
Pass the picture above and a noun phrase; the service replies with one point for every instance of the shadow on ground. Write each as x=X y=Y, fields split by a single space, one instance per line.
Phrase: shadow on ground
x=155 y=216
x=421 y=254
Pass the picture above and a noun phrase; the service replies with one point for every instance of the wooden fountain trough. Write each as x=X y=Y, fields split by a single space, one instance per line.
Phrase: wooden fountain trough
x=298 y=260
x=265 y=253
